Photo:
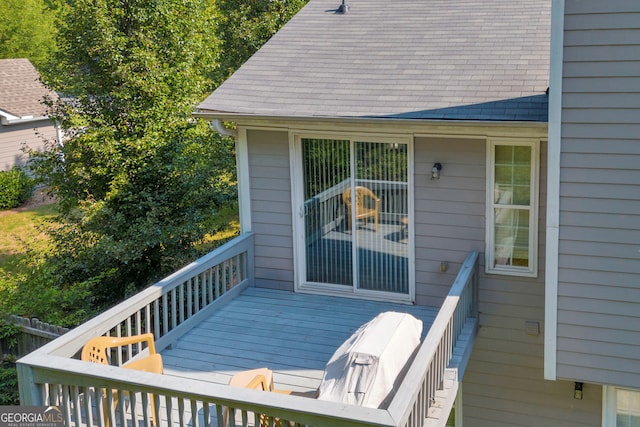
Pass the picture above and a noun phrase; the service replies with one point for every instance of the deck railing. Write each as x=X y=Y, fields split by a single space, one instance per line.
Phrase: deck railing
x=102 y=395
x=325 y=211
x=410 y=406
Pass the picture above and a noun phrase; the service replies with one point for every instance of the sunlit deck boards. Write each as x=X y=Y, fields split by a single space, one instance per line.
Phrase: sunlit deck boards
x=292 y=334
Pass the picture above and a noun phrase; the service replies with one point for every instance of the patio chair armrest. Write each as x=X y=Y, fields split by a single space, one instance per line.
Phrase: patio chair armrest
x=135 y=339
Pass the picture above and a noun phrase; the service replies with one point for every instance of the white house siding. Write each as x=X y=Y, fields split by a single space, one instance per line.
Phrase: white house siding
x=14 y=137
x=271 y=208
x=599 y=259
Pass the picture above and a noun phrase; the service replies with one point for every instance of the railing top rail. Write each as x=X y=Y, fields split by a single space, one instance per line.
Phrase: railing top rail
x=339 y=188
x=51 y=363
x=412 y=381
x=71 y=342
x=304 y=410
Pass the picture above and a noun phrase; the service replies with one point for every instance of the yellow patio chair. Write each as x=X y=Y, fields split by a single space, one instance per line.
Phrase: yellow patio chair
x=96 y=350
x=262 y=379
x=364 y=209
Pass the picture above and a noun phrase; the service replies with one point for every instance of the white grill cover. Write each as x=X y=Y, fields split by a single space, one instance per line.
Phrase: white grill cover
x=365 y=367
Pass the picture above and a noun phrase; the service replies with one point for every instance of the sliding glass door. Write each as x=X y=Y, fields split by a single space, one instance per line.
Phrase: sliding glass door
x=355 y=215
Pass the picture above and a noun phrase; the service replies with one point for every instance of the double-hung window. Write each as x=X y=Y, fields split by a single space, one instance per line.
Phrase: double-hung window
x=621 y=407
x=512 y=207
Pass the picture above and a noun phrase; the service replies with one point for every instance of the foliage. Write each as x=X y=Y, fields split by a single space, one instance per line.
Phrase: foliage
x=9 y=394
x=138 y=179
x=152 y=211
x=9 y=334
x=16 y=187
x=27 y=276
x=224 y=226
x=373 y=161
x=23 y=248
x=34 y=295
x=131 y=66
x=27 y=30
x=244 y=26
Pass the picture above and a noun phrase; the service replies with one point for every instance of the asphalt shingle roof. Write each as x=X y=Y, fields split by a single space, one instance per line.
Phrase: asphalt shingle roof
x=21 y=92
x=416 y=59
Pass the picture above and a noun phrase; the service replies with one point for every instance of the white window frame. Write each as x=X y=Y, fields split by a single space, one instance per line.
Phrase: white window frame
x=297 y=199
x=532 y=269
x=610 y=404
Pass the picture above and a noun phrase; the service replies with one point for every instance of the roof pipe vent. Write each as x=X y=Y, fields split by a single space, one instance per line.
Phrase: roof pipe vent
x=344 y=7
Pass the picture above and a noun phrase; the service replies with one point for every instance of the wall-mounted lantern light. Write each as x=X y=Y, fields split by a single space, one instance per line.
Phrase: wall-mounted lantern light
x=577 y=390
x=435 y=171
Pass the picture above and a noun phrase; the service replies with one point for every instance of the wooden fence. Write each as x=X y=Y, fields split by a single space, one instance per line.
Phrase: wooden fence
x=31 y=335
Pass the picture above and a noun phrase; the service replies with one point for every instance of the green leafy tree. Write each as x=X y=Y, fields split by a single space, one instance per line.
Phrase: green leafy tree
x=27 y=30
x=244 y=26
x=138 y=179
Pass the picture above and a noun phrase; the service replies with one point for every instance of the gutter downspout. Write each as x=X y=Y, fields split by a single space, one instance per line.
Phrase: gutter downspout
x=242 y=171
x=59 y=134
x=218 y=126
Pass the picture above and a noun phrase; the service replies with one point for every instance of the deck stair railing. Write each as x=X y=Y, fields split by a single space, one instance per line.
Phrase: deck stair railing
x=458 y=313
x=103 y=395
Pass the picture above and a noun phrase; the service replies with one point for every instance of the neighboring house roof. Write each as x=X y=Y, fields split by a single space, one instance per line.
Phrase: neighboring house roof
x=21 y=92
x=413 y=59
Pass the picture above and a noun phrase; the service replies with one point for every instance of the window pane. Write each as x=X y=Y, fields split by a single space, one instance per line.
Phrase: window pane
x=628 y=408
x=521 y=247
x=326 y=168
x=382 y=217
x=512 y=175
x=511 y=198
x=368 y=210
x=511 y=237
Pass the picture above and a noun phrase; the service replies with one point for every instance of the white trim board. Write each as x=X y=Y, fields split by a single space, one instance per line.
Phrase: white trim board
x=553 y=190
x=244 y=191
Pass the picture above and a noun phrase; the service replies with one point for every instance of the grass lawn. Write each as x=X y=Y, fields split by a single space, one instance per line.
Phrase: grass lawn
x=227 y=225
x=19 y=228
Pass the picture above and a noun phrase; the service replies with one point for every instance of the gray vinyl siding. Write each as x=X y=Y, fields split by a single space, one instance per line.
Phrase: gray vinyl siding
x=503 y=384
x=14 y=137
x=599 y=263
x=449 y=212
x=270 y=186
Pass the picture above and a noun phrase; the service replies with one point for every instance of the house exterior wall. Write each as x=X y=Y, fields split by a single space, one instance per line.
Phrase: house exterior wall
x=270 y=184
x=13 y=137
x=449 y=212
x=503 y=384
x=598 y=327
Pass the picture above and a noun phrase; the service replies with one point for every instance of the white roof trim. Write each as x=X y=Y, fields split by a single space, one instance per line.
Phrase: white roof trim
x=9 y=119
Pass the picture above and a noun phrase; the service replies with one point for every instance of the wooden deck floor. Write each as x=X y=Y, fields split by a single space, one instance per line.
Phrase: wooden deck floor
x=292 y=334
